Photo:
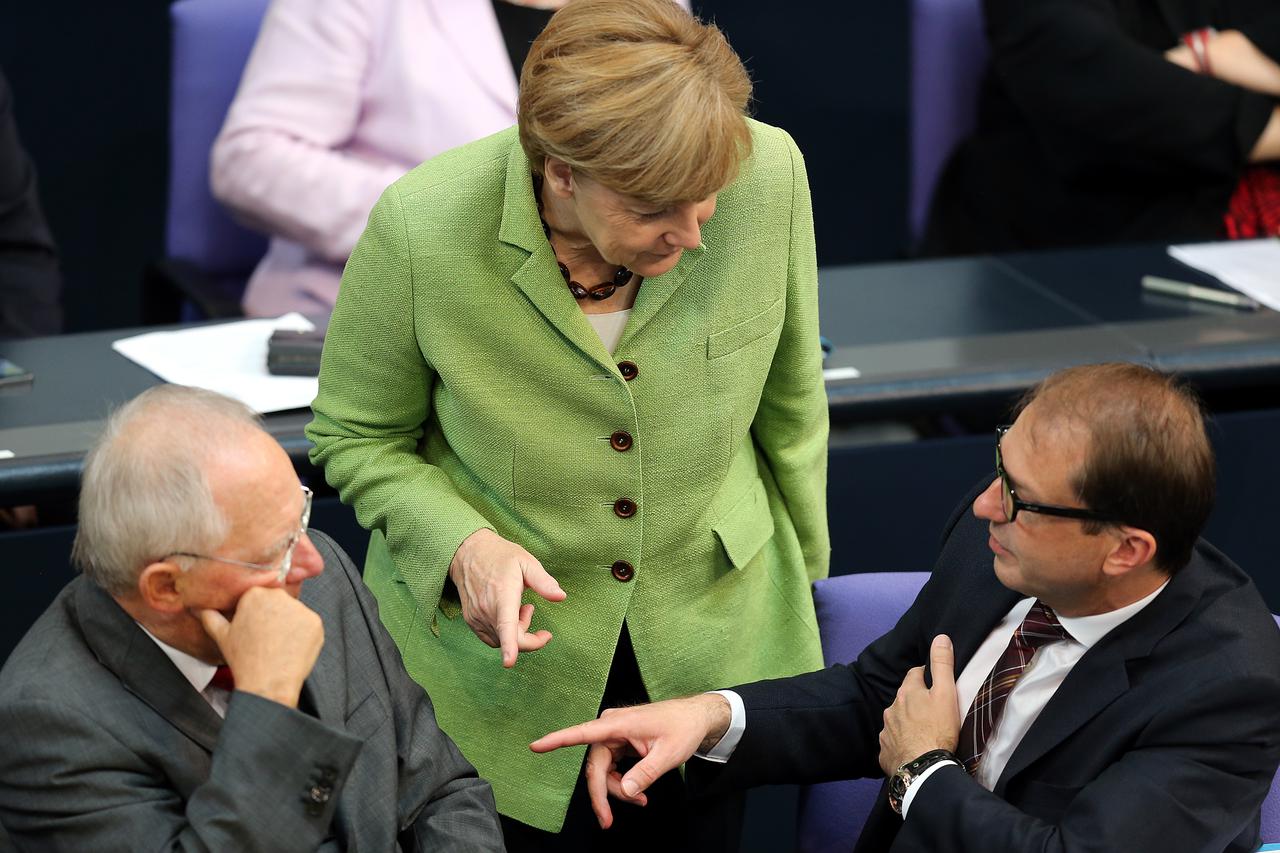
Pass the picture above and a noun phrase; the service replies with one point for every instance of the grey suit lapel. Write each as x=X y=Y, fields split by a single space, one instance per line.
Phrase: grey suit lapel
x=1102 y=675
x=125 y=649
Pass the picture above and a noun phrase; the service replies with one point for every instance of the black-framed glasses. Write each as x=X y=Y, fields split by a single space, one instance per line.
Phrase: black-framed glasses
x=1012 y=504
x=286 y=560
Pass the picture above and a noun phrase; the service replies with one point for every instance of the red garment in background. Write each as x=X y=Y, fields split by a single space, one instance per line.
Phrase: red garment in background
x=1254 y=210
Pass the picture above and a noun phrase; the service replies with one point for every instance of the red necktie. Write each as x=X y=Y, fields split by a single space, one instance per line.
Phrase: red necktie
x=1040 y=628
x=223 y=678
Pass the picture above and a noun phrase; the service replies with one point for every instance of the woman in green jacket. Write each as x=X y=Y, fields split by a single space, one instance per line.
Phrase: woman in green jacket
x=576 y=364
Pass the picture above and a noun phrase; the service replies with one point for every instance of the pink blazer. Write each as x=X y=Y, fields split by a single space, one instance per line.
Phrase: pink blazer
x=340 y=98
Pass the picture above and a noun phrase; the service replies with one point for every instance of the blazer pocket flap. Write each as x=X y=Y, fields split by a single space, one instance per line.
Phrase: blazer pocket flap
x=745 y=528
x=738 y=336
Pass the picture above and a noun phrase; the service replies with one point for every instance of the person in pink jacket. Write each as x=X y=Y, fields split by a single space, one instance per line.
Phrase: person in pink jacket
x=340 y=98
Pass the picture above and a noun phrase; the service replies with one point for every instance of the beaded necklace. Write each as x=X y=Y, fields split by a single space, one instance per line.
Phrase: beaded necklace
x=621 y=277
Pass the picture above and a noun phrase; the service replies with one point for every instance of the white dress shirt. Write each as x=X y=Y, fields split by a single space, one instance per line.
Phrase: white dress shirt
x=199 y=673
x=1048 y=669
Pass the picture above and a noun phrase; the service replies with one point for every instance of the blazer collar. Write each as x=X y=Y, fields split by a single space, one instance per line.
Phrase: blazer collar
x=470 y=28
x=144 y=670
x=540 y=280
x=1102 y=675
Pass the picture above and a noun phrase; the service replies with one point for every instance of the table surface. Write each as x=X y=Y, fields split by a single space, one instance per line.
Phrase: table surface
x=924 y=335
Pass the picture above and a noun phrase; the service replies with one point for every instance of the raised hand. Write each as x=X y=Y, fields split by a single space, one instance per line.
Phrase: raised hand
x=922 y=718
x=664 y=735
x=271 y=643
x=491 y=573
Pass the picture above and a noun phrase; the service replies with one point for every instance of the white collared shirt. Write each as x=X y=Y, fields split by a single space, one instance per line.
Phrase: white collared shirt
x=1049 y=667
x=198 y=673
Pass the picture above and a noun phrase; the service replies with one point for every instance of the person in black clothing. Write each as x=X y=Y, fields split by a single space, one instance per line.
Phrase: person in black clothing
x=30 y=281
x=1098 y=125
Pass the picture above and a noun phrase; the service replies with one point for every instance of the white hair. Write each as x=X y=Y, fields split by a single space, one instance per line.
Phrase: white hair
x=144 y=494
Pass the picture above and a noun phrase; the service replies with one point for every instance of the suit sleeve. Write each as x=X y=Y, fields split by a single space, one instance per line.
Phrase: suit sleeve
x=278 y=161
x=1098 y=98
x=441 y=803
x=791 y=425
x=1198 y=776
x=374 y=402
x=272 y=785
x=821 y=726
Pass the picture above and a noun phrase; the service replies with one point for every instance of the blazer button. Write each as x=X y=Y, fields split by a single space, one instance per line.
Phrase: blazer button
x=623 y=571
x=628 y=370
x=624 y=507
x=620 y=441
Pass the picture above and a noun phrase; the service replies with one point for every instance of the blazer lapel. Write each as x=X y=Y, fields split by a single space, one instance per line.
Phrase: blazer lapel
x=125 y=649
x=654 y=292
x=972 y=612
x=538 y=277
x=470 y=27
x=1102 y=675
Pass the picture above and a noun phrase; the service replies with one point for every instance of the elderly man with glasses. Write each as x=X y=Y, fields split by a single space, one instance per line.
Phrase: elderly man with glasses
x=1097 y=678
x=219 y=679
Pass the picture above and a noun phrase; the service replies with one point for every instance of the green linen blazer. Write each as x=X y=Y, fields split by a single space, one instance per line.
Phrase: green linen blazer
x=462 y=387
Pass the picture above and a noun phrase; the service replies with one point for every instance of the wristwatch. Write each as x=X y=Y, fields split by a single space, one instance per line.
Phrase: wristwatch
x=904 y=775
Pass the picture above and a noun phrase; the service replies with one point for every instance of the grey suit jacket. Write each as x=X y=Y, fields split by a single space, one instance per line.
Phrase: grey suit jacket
x=105 y=746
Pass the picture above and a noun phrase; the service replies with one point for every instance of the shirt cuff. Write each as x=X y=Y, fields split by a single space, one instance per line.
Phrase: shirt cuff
x=918 y=781
x=721 y=752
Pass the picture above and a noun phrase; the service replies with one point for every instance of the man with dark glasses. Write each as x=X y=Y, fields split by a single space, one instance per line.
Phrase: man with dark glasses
x=1079 y=673
x=219 y=678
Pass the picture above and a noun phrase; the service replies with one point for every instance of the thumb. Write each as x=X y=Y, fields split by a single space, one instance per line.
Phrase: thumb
x=215 y=625
x=645 y=772
x=942 y=662
x=537 y=579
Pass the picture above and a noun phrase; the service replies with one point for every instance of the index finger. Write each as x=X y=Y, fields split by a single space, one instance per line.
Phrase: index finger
x=508 y=625
x=592 y=731
x=215 y=625
x=942 y=661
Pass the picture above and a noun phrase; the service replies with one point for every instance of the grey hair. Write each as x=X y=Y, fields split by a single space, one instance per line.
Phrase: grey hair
x=144 y=494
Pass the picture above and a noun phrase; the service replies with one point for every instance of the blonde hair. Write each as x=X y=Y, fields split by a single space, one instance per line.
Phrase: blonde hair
x=639 y=96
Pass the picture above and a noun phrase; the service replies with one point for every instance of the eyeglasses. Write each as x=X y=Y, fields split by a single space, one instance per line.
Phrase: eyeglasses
x=1012 y=504
x=286 y=561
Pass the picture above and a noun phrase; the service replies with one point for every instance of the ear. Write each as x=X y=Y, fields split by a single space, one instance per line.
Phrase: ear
x=1134 y=548
x=557 y=176
x=159 y=587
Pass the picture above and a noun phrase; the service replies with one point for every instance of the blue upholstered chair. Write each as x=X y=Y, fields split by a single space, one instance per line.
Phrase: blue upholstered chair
x=852 y=610
x=948 y=57
x=1271 y=805
x=208 y=255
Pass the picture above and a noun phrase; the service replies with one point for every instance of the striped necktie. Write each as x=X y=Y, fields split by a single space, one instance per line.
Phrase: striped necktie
x=1040 y=628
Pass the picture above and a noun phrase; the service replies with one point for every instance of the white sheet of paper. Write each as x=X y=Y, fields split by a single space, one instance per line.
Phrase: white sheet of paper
x=230 y=358
x=1250 y=266
x=835 y=374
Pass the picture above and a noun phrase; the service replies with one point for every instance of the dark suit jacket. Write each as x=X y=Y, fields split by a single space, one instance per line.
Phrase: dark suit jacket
x=29 y=278
x=105 y=746
x=1087 y=134
x=1164 y=736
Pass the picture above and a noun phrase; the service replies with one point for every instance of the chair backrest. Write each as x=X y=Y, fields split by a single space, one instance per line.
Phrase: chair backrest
x=211 y=43
x=852 y=611
x=1271 y=805
x=948 y=56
